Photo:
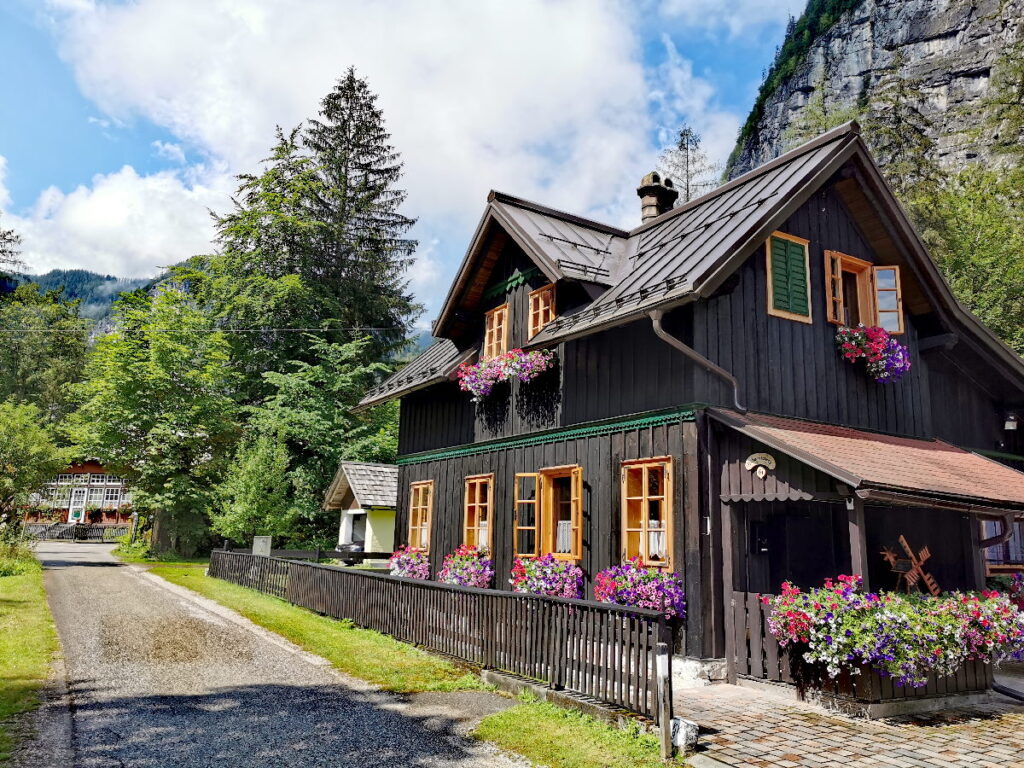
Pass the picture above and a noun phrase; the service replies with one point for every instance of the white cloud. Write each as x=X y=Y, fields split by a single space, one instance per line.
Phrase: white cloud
x=736 y=17
x=122 y=223
x=678 y=95
x=170 y=151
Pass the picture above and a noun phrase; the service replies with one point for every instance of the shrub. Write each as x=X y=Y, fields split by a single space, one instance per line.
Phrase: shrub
x=16 y=558
x=467 y=567
x=410 y=563
x=905 y=637
x=547 y=576
x=634 y=584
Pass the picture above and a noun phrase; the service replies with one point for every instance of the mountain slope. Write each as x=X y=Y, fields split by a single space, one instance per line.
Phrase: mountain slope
x=97 y=292
x=948 y=47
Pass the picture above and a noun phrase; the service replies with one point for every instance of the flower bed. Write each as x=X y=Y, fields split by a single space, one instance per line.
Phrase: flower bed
x=409 y=563
x=547 y=576
x=886 y=359
x=480 y=378
x=636 y=585
x=1017 y=589
x=467 y=567
x=905 y=637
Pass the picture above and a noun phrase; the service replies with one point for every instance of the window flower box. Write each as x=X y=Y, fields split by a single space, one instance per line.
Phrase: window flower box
x=467 y=567
x=548 y=576
x=886 y=359
x=410 y=564
x=636 y=585
x=480 y=378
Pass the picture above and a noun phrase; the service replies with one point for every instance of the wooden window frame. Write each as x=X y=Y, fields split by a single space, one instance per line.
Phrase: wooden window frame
x=834 y=298
x=541 y=313
x=665 y=464
x=495 y=345
x=467 y=511
x=898 y=290
x=545 y=532
x=809 y=317
x=421 y=515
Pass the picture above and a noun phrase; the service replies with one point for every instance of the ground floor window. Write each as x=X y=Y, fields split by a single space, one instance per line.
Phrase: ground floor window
x=479 y=499
x=421 y=504
x=647 y=511
x=549 y=513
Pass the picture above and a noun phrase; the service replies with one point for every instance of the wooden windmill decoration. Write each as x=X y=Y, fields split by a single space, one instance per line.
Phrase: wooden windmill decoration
x=909 y=570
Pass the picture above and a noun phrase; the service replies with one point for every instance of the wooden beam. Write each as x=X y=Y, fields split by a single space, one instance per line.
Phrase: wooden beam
x=858 y=540
x=691 y=541
x=938 y=341
x=728 y=587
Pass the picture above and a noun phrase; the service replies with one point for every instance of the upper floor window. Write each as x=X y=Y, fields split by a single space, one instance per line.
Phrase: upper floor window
x=421 y=505
x=64 y=478
x=479 y=501
x=97 y=479
x=542 y=308
x=496 y=332
x=789 y=285
x=857 y=292
x=647 y=511
x=549 y=513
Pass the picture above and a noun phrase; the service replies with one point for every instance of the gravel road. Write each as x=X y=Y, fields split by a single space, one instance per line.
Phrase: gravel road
x=157 y=677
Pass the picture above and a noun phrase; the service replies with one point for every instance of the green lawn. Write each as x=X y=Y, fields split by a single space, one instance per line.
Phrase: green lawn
x=28 y=641
x=552 y=736
x=141 y=554
x=374 y=657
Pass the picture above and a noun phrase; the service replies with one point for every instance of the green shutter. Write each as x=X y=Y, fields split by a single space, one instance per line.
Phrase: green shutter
x=789 y=277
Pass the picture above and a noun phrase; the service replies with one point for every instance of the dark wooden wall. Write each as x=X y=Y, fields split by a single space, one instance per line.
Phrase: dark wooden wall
x=435 y=417
x=965 y=413
x=791 y=368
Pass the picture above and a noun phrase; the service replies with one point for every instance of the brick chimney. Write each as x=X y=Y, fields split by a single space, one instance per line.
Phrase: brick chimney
x=657 y=195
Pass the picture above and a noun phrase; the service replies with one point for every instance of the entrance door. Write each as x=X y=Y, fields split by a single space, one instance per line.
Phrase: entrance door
x=76 y=510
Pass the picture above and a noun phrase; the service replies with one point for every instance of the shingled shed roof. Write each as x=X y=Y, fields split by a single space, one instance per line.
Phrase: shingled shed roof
x=434 y=364
x=867 y=460
x=374 y=485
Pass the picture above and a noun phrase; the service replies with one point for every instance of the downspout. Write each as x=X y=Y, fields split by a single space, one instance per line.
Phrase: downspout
x=1003 y=536
x=659 y=330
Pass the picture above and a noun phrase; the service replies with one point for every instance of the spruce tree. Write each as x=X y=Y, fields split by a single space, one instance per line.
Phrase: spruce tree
x=688 y=165
x=9 y=242
x=364 y=251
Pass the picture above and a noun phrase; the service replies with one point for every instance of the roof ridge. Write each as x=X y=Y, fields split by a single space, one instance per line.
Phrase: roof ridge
x=851 y=128
x=529 y=205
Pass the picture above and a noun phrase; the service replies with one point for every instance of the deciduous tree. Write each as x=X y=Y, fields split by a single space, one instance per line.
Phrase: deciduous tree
x=29 y=454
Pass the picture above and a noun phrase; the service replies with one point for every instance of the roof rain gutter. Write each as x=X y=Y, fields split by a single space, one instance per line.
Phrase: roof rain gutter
x=659 y=330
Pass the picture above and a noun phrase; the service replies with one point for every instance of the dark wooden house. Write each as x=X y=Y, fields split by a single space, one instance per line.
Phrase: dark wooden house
x=700 y=415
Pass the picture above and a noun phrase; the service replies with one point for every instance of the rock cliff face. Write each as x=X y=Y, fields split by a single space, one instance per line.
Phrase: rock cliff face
x=950 y=46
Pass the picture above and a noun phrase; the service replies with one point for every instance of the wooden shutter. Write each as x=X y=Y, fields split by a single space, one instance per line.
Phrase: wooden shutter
x=577 y=512
x=526 y=518
x=888 y=298
x=834 y=286
x=788 y=271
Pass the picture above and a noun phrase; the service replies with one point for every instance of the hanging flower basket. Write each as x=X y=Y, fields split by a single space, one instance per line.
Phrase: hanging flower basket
x=546 y=576
x=905 y=637
x=480 y=378
x=410 y=563
x=467 y=567
x=634 y=584
x=886 y=359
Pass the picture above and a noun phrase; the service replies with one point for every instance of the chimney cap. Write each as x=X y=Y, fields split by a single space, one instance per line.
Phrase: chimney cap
x=655 y=179
x=657 y=195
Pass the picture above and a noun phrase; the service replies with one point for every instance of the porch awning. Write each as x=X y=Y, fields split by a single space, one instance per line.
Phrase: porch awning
x=889 y=469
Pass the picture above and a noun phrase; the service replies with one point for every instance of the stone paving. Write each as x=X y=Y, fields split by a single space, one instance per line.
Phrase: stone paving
x=743 y=727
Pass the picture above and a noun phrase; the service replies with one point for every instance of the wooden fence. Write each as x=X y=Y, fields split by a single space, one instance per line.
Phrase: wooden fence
x=616 y=655
x=75 y=531
x=752 y=652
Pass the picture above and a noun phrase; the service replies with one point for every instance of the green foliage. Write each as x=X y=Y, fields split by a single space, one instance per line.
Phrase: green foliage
x=29 y=454
x=973 y=225
x=95 y=293
x=255 y=492
x=309 y=413
x=818 y=17
x=1005 y=104
x=9 y=242
x=43 y=348
x=157 y=407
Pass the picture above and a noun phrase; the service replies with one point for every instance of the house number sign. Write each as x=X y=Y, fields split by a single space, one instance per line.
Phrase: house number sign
x=760 y=463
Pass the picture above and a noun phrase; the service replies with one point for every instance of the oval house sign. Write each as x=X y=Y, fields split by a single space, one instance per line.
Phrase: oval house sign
x=760 y=463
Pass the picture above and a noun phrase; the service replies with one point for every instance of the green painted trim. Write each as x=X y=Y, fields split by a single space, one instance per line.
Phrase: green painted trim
x=519 y=278
x=996 y=454
x=591 y=429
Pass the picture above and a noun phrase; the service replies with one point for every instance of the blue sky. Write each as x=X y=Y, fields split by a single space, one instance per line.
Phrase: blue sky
x=124 y=123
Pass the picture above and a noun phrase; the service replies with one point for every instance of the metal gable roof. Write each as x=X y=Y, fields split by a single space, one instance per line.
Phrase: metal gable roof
x=432 y=365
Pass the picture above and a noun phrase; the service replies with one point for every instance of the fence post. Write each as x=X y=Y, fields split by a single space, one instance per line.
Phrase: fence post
x=665 y=687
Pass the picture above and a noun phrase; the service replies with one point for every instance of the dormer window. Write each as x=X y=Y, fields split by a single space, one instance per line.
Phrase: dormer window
x=542 y=308
x=858 y=293
x=496 y=332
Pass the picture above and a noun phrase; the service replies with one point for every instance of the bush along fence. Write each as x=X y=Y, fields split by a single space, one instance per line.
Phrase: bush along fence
x=614 y=654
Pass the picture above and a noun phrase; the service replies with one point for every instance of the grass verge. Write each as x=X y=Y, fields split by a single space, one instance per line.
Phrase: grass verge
x=28 y=640
x=549 y=735
x=141 y=554
x=362 y=653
